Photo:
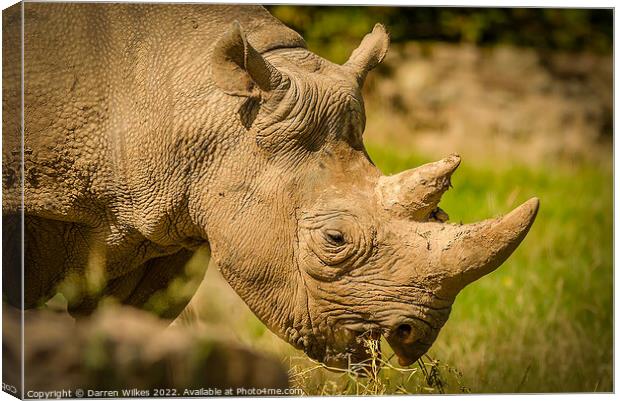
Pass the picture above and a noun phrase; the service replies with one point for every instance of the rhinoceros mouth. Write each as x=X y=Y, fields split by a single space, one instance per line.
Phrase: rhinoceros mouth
x=358 y=355
x=363 y=354
x=367 y=355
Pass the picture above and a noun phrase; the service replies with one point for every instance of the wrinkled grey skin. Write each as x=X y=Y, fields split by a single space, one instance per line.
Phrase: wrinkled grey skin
x=152 y=130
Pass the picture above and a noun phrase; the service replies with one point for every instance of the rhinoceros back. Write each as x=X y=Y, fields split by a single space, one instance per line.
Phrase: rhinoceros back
x=100 y=78
x=110 y=91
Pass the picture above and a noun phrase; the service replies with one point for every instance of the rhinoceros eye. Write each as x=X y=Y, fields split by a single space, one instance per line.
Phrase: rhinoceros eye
x=331 y=243
x=334 y=237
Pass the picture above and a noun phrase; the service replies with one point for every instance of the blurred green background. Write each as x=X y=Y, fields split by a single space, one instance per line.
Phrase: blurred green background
x=333 y=28
x=525 y=96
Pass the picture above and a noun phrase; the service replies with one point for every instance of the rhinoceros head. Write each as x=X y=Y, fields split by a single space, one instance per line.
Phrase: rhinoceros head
x=326 y=250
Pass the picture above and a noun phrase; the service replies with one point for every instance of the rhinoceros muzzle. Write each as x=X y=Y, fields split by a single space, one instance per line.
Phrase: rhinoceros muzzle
x=365 y=351
x=410 y=341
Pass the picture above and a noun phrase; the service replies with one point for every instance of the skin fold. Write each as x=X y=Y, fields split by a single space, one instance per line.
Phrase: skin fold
x=153 y=130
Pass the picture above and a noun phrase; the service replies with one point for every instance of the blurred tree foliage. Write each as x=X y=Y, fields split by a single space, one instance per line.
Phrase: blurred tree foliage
x=333 y=31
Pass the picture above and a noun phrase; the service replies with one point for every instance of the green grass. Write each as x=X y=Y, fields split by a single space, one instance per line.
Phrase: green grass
x=540 y=323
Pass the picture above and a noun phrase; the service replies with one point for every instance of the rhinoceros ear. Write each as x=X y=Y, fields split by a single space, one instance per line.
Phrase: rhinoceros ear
x=238 y=69
x=369 y=53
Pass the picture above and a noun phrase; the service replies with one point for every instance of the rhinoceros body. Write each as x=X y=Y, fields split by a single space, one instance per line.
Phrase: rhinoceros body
x=152 y=130
x=108 y=88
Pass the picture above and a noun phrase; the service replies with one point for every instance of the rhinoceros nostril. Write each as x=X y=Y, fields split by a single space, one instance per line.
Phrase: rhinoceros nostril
x=404 y=331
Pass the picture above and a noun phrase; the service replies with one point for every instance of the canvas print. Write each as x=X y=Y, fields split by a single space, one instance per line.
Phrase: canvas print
x=241 y=200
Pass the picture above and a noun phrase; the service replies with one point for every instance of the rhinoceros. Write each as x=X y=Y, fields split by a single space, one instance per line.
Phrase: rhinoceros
x=154 y=130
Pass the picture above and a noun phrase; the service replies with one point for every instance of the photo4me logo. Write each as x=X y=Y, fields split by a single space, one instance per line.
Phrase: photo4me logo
x=241 y=391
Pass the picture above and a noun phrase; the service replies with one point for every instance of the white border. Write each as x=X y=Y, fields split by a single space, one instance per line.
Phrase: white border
x=478 y=3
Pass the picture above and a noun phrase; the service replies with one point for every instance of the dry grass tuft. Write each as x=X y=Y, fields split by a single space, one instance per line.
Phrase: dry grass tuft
x=381 y=378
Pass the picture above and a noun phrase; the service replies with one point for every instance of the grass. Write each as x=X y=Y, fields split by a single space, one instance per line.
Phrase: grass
x=383 y=378
x=540 y=323
x=426 y=376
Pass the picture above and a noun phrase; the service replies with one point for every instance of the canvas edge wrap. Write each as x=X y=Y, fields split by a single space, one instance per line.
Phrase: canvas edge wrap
x=12 y=196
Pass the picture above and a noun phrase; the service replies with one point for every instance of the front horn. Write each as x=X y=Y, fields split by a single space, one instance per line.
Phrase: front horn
x=471 y=251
